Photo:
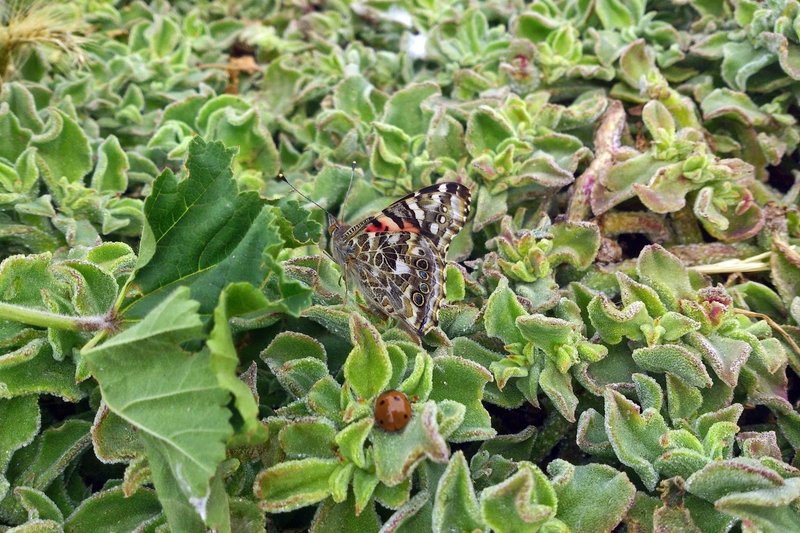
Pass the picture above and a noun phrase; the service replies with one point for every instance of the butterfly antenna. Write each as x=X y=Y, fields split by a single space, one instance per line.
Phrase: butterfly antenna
x=282 y=177
x=350 y=186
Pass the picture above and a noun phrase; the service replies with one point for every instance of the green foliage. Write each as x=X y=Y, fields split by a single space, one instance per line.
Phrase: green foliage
x=619 y=340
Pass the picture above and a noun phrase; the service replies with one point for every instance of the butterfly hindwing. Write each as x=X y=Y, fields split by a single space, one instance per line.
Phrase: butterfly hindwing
x=400 y=273
x=437 y=212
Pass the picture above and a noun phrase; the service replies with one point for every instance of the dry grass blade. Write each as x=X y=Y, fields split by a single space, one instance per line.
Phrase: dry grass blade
x=25 y=25
x=756 y=263
x=774 y=325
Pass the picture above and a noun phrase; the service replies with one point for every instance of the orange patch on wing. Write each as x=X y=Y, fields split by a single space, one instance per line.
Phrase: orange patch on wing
x=386 y=224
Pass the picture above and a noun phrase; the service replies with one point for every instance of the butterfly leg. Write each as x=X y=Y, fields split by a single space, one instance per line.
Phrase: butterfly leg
x=413 y=333
x=343 y=282
x=375 y=312
x=370 y=311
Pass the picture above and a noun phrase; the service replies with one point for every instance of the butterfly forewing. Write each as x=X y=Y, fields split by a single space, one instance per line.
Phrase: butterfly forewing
x=437 y=212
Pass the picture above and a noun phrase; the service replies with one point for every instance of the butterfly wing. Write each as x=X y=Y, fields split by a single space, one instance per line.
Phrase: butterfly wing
x=402 y=274
x=437 y=212
x=397 y=257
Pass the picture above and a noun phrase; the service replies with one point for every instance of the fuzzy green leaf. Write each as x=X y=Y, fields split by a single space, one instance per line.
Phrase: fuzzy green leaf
x=398 y=454
x=290 y=345
x=676 y=360
x=293 y=484
x=307 y=437
x=785 y=263
x=558 y=387
x=332 y=517
x=420 y=382
x=351 y=441
x=502 y=311
x=229 y=119
x=110 y=174
x=32 y=370
x=591 y=497
x=63 y=148
x=486 y=129
x=454 y=284
x=683 y=399
x=455 y=505
x=38 y=505
x=720 y=478
x=635 y=437
x=666 y=274
x=368 y=368
x=21 y=418
x=770 y=510
x=53 y=450
x=148 y=380
x=614 y=324
x=463 y=381
x=404 y=110
x=524 y=502
x=574 y=243
x=111 y=508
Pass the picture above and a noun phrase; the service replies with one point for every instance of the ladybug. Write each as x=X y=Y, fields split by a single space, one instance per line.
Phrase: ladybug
x=392 y=410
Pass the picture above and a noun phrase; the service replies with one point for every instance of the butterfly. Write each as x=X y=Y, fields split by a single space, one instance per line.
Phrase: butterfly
x=396 y=259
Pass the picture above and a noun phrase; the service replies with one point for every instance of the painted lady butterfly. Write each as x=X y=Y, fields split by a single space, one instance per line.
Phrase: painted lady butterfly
x=397 y=258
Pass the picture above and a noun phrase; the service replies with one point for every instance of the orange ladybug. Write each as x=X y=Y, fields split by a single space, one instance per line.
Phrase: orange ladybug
x=392 y=410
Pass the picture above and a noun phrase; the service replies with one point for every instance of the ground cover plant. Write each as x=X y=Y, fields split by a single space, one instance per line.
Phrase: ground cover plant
x=618 y=344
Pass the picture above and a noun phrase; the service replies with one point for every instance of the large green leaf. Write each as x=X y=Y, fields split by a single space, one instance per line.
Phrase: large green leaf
x=172 y=397
x=202 y=233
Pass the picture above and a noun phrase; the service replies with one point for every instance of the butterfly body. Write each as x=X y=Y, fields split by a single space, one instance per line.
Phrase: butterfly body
x=396 y=259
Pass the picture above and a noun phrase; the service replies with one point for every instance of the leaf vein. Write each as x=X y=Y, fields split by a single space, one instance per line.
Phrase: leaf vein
x=166 y=395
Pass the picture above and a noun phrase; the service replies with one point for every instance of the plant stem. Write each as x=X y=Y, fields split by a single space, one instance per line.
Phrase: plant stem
x=99 y=336
x=46 y=319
